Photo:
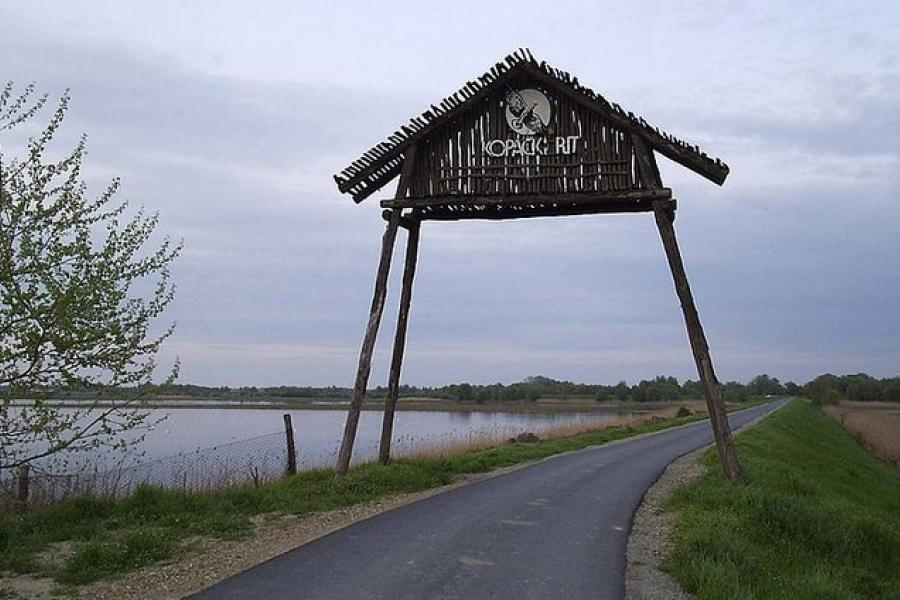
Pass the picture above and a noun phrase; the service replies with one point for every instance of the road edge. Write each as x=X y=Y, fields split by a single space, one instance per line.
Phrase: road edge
x=651 y=527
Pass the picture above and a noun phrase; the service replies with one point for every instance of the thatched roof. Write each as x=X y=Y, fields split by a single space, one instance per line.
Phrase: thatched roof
x=380 y=164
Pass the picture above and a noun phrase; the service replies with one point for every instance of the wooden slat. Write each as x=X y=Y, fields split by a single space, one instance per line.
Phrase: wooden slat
x=543 y=164
x=537 y=176
x=648 y=172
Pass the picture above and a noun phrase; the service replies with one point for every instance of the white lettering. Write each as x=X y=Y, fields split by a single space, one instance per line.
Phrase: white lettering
x=494 y=148
x=527 y=147
x=530 y=146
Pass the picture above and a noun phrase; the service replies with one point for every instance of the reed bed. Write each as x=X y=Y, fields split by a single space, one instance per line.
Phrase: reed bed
x=484 y=439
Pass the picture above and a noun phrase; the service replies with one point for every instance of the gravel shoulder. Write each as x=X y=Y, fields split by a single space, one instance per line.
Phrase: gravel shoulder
x=651 y=529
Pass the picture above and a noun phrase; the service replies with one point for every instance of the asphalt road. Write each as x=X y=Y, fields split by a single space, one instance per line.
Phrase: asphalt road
x=555 y=529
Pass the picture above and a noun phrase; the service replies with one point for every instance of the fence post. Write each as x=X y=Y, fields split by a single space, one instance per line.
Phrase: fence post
x=23 y=480
x=291 y=451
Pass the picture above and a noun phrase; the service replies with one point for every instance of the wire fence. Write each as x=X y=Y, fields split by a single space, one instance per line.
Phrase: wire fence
x=254 y=460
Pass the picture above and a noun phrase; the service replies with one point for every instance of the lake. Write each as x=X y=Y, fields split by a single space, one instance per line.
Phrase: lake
x=318 y=432
x=210 y=448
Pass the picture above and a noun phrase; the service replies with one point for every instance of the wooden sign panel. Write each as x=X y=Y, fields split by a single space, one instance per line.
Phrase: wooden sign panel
x=523 y=139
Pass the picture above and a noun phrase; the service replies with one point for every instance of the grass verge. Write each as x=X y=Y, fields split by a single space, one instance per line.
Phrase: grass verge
x=110 y=537
x=819 y=518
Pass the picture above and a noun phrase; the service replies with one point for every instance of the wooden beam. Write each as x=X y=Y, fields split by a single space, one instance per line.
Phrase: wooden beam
x=406 y=221
x=371 y=188
x=500 y=213
x=368 y=345
x=530 y=199
x=404 y=169
x=716 y=172
x=390 y=404
x=706 y=167
x=406 y=172
x=648 y=171
x=717 y=415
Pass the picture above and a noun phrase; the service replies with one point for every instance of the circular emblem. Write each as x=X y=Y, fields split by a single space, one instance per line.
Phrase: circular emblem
x=527 y=111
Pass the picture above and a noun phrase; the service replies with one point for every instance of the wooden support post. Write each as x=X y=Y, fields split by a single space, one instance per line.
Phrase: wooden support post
x=368 y=345
x=390 y=403
x=717 y=416
x=664 y=212
x=394 y=218
x=291 y=450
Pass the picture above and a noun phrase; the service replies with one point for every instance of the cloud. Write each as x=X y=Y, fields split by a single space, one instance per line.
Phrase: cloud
x=790 y=261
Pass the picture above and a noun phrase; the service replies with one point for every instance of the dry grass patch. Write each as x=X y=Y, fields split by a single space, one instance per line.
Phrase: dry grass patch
x=475 y=442
x=876 y=424
x=486 y=439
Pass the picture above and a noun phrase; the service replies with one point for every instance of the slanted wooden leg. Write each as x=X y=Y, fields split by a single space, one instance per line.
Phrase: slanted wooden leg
x=717 y=416
x=365 y=353
x=409 y=272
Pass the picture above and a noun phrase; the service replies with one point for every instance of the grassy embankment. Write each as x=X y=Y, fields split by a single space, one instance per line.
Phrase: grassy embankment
x=116 y=536
x=819 y=518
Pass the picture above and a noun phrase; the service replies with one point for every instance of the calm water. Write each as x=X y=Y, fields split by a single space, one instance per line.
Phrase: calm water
x=318 y=432
x=211 y=448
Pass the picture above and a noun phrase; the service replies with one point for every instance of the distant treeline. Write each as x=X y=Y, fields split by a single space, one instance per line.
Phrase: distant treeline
x=823 y=389
x=828 y=388
x=659 y=389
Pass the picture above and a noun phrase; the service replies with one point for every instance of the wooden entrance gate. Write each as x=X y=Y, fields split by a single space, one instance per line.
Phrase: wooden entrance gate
x=523 y=140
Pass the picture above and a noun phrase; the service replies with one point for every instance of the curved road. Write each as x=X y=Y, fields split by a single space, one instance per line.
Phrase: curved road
x=555 y=529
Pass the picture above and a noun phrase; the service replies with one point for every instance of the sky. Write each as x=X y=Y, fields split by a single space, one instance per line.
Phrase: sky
x=229 y=119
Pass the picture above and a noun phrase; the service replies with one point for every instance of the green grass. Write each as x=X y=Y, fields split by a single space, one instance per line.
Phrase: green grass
x=819 y=518
x=118 y=536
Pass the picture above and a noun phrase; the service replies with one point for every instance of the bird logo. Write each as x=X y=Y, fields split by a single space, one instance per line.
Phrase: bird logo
x=527 y=111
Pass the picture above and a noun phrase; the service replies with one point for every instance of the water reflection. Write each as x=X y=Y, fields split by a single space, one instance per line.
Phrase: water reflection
x=318 y=432
x=460 y=417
